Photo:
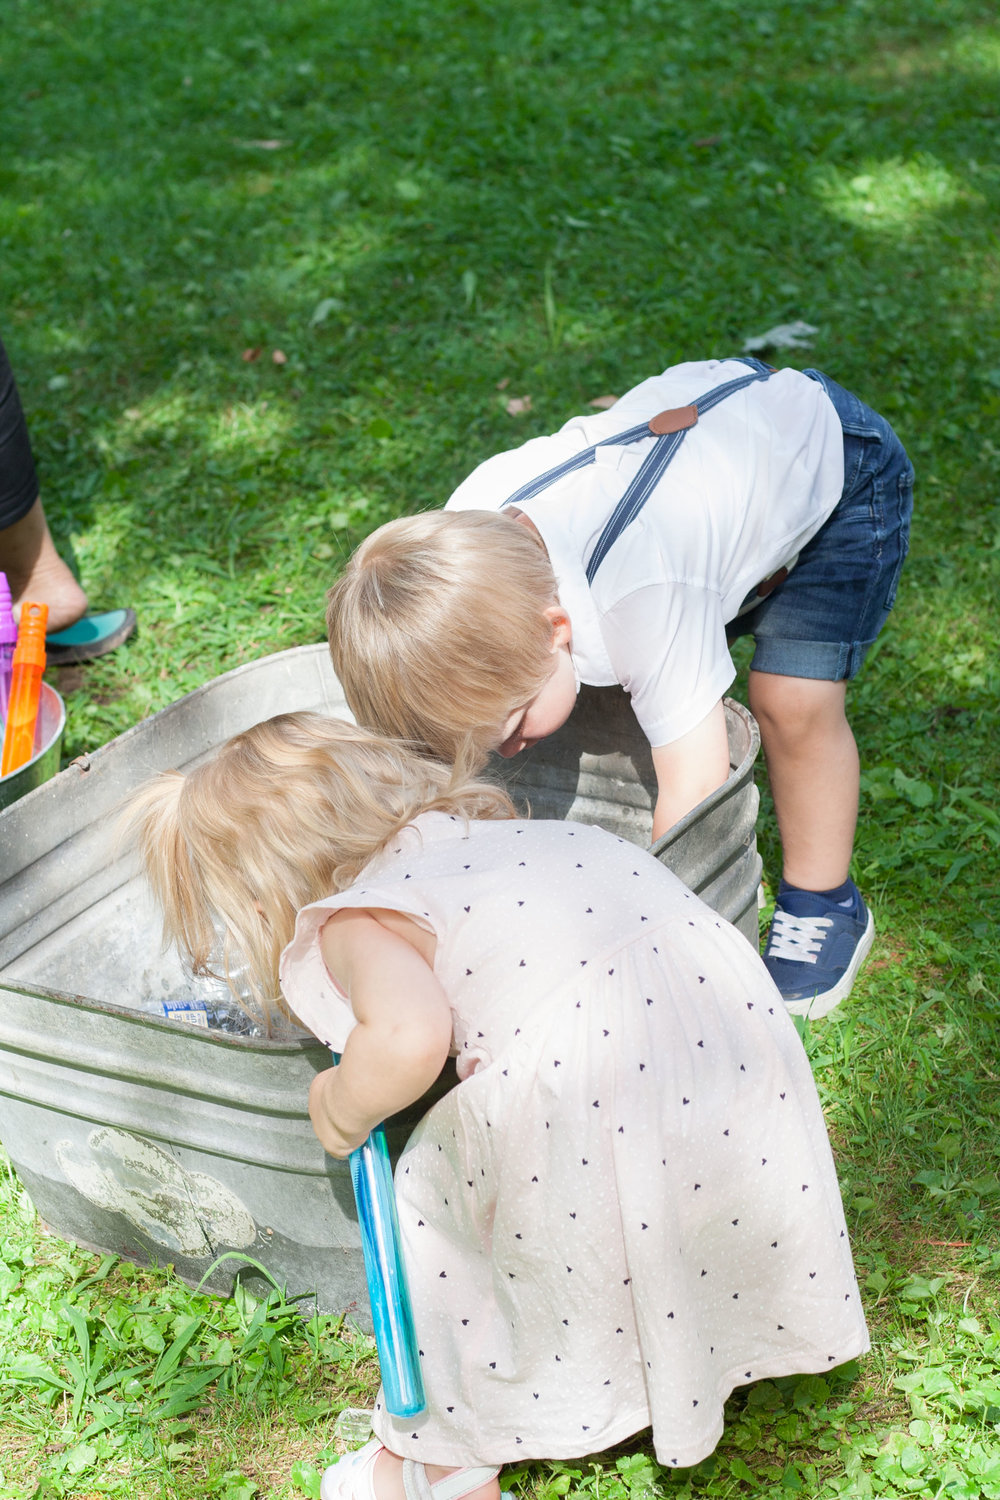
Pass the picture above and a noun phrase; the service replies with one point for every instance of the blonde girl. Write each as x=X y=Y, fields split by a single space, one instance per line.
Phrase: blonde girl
x=627 y=1206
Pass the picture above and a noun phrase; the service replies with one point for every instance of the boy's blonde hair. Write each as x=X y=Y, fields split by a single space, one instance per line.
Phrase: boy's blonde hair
x=438 y=629
x=284 y=814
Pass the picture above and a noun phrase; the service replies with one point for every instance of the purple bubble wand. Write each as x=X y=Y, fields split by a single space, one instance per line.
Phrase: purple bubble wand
x=8 y=640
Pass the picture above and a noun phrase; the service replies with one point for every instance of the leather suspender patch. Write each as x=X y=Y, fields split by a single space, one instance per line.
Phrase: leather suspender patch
x=675 y=419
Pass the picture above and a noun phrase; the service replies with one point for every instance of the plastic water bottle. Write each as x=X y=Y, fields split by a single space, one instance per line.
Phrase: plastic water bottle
x=353 y=1426
x=212 y=1016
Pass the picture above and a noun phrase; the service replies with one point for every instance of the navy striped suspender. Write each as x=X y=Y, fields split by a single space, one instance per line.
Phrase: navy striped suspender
x=650 y=473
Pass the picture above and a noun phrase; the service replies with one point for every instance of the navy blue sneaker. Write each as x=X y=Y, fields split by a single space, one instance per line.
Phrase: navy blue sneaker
x=815 y=948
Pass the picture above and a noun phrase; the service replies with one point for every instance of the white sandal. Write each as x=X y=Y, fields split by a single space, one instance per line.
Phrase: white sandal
x=352 y=1478
x=451 y=1487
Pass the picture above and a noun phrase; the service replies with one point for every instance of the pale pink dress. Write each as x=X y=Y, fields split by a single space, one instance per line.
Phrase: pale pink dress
x=628 y=1206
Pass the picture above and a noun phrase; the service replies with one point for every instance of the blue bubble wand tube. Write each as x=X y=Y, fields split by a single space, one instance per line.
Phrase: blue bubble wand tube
x=388 y=1293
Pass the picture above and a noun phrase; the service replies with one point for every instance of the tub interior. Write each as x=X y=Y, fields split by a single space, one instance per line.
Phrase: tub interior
x=80 y=921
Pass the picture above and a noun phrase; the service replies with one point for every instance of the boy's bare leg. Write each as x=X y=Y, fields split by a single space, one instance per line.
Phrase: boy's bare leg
x=812 y=765
x=36 y=571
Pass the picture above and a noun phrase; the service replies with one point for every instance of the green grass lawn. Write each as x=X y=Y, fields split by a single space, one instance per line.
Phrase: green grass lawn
x=270 y=274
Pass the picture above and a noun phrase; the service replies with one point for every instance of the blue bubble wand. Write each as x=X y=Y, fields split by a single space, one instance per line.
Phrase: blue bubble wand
x=388 y=1292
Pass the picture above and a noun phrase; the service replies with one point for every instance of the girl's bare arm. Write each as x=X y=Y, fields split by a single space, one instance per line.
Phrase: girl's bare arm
x=383 y=962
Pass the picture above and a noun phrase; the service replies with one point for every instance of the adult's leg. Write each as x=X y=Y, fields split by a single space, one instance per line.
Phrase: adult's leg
x=36 y=571
x=28 y=556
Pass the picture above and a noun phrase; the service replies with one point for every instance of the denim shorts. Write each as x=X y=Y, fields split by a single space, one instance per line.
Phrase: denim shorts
x=821 y=621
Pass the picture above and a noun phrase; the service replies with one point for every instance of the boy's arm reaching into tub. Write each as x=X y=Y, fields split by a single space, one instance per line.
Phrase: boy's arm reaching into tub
x=383 y=962
x=689 y=769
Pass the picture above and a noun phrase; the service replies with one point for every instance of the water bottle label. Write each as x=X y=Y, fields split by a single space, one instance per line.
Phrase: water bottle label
x=194 y=1012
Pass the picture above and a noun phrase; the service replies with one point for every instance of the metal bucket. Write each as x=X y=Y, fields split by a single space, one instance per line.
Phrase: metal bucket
x=163 y=1142
x=44 y=763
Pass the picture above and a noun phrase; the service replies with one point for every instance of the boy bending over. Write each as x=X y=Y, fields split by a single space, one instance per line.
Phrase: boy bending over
x=718 y=499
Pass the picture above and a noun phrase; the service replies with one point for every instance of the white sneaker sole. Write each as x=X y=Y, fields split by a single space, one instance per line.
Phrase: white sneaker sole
x=816 y=1006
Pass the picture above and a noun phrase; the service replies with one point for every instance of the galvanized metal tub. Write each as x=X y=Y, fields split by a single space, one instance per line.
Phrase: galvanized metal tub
x=162 y=1142
x=598 y=769
x=44 y=763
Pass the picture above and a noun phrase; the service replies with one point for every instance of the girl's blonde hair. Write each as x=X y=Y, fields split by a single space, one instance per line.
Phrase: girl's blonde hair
x=438 y=629
x=284 y=814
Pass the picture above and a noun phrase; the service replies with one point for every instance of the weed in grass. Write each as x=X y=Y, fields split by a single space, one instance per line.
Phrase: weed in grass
x=111 y=1368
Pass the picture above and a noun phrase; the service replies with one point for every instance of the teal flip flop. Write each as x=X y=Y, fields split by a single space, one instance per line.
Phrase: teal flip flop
x=94 y=635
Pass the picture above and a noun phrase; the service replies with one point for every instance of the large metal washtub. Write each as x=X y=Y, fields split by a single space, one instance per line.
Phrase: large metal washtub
x=163 y=1142
x=598 y=769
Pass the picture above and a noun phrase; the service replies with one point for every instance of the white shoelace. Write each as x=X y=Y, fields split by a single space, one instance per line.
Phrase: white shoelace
x=797 y=938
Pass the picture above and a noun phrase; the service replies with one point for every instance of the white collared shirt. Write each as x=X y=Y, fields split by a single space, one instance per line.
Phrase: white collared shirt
x=751 y=483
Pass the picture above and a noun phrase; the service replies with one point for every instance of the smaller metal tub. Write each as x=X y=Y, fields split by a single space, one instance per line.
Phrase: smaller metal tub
x=44 y=761
x=163 y=1142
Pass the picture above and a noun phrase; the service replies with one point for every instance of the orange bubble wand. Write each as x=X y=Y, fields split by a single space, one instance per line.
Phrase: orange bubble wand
x=25 y=687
